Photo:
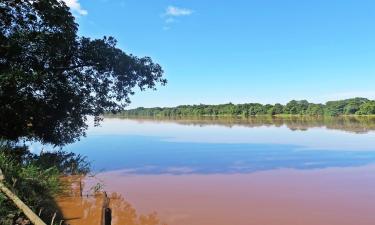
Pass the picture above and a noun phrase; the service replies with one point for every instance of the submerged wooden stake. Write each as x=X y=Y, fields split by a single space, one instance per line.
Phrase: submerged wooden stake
x=106 y=211
x=80 y=187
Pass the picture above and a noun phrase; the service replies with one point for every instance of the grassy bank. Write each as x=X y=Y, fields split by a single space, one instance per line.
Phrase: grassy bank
x=35 y=179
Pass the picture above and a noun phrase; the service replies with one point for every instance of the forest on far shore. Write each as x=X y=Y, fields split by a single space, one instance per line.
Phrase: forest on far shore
x=353 y=106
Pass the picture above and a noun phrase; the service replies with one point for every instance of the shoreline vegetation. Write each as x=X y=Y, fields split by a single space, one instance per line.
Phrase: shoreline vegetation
x=348 y=107
x=36 y=179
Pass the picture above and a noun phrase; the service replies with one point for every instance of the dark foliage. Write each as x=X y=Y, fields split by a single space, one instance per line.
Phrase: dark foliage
x=51 y=79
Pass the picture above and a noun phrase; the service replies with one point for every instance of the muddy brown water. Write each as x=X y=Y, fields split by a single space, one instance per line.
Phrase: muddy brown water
x=331 y=196
x=175 y=173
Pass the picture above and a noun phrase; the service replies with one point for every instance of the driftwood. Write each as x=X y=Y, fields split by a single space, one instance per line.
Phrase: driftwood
x=18 y=202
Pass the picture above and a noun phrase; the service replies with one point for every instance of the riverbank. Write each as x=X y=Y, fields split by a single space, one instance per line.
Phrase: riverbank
x=35 y=180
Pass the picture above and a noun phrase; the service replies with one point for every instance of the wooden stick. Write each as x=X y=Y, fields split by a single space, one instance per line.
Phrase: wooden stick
x=18 y=202
x=53 y=218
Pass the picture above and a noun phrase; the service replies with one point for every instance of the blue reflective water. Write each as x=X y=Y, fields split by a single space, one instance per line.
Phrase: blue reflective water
x=173 y=147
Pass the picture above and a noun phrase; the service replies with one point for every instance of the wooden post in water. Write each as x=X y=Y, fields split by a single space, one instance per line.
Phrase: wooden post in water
x=80 y=187
x=18 y=202
x=106 y=211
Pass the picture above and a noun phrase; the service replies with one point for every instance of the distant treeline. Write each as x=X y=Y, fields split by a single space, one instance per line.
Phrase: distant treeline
x=354 y=106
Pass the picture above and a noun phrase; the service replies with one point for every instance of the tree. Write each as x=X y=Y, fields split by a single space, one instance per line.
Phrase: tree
x=347 y=106
x=353 y=105
x=359 y=106
x=315 y=110
x=276 y=109
x=51 y=79
x=367 y=108
x=296 y=107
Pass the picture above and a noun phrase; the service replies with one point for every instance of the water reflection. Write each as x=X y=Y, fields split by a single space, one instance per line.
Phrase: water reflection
x=147 y=155
x=355 y=124
x=192 y=146
x=124 y=213
x=87 y=209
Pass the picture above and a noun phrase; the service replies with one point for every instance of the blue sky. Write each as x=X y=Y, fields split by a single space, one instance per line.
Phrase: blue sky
x=240 y=51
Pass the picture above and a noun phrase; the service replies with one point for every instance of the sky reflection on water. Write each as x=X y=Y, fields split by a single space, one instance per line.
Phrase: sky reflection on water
x=172 y=147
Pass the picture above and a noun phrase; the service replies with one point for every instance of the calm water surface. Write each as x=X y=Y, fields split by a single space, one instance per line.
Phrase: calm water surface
x=260 y=171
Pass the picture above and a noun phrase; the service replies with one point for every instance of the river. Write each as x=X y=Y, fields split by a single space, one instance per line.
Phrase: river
x=216 y=171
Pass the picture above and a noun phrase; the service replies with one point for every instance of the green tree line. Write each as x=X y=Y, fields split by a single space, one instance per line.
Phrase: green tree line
x=354 y=106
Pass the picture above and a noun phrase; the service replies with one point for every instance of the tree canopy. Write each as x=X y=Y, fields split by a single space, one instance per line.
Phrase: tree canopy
x=51 y=79
x=354 y=106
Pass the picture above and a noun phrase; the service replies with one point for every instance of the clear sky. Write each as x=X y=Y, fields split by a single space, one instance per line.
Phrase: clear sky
x=239 y=51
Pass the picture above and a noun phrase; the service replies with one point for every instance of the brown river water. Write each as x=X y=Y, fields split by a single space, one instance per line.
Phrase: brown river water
x=208 y=172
